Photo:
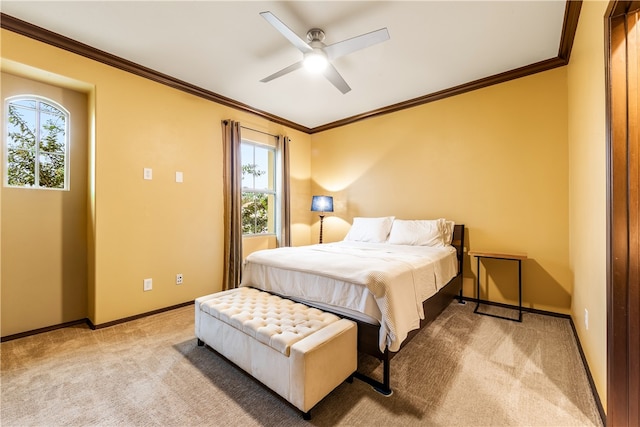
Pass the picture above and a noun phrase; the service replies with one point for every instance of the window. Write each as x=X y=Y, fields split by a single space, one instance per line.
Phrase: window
x=258 y=188
x=37 y=143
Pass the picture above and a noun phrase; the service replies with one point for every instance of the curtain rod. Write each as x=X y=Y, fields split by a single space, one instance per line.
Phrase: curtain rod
x=259 y=131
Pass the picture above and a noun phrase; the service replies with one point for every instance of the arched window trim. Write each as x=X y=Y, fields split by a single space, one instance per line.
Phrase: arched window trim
x=67 y=116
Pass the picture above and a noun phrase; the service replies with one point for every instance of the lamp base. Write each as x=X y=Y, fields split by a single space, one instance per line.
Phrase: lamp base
x=321 y=220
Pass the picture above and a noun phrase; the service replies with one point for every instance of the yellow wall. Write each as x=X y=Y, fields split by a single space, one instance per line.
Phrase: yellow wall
x=494 y=159
x=587 y=188
x=44 y=236
x=152 y=229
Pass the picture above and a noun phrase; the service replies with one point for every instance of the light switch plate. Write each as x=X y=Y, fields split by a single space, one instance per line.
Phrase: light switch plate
x=147 y=284
x=178 y=176
x=148 y=173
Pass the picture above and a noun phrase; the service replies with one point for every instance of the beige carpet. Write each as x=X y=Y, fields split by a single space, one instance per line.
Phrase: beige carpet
x=464 y=370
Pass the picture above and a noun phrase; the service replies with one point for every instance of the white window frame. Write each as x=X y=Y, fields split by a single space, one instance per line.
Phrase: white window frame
x=274 y=192
x=67 y=117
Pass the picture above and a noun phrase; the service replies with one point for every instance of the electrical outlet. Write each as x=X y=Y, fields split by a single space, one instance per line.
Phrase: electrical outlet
x=179 y=279
x=147 y=284
x=147 y=173
x=586 y=319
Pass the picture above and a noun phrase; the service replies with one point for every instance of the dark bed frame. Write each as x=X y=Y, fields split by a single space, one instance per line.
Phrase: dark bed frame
x=368 y=334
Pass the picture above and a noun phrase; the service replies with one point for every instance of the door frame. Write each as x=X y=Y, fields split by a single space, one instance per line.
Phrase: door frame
x=623 y=289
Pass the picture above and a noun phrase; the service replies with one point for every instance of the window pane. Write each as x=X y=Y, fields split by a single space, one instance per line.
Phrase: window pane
x=21 y=128
x=271 y=213
x=52 y=135
x=255 y=218
x=46 y=108
x=29 y=103
x=262 y=175
x=51 y=170
x=246 y=154
x=21 y=167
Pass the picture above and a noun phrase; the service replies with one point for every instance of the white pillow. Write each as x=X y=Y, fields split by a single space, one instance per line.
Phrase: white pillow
x=373 y=230
x=417 y=232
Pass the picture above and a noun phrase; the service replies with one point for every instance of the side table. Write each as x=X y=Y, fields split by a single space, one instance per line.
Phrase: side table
x=513 y=256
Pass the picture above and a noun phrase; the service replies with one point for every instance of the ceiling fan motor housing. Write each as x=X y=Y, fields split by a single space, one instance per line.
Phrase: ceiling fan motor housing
x=315 y=35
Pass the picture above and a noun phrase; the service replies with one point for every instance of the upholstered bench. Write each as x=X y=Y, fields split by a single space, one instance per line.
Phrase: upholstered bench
x=299 y=352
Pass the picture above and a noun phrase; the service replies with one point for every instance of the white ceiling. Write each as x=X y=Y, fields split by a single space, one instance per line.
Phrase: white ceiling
x=226 y=47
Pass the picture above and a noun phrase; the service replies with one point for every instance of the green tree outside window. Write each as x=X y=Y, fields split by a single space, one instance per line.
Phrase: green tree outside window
x=36 y=144
x=258 y=188
x=255 y=206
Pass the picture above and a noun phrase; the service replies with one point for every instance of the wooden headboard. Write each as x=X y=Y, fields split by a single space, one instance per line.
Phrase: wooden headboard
x=458 y=243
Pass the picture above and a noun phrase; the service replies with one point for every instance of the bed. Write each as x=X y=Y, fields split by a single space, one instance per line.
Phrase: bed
x=391 y=276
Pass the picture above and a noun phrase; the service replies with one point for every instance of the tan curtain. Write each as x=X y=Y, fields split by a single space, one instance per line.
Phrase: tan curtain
x=284 y=231
x=232 y=205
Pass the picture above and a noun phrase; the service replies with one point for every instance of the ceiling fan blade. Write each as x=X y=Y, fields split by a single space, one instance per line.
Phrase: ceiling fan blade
x=286 y=32
x=345 y=47
x=282 y=72
x=336 y=79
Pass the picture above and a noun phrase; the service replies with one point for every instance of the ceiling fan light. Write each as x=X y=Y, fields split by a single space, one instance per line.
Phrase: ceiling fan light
x=316 y=62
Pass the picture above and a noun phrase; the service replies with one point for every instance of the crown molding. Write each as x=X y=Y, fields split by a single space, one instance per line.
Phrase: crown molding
x=569 y=27
x=571 y=15
x=54 y=39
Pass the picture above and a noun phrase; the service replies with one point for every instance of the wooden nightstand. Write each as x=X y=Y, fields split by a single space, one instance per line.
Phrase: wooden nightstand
x=513 y=256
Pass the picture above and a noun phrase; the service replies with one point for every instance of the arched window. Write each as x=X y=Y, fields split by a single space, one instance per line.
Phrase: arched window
x=37 y=143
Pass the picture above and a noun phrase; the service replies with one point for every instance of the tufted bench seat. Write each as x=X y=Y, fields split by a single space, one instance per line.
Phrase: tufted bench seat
x=299 y=352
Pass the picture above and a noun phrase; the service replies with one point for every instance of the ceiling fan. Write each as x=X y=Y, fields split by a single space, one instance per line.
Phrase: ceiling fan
x=317 y=56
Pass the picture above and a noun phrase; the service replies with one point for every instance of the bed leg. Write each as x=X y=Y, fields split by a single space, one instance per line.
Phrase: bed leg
x=384 y=387
x=306 y=415
x=200 y=342
x=460 y=300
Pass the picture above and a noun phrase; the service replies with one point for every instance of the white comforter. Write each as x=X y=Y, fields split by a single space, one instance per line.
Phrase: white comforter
x=399 y=277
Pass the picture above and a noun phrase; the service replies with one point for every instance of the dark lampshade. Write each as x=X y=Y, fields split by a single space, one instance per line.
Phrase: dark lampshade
x=322 y=204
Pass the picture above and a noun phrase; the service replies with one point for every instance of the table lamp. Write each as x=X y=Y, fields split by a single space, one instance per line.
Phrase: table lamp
x=321 y=204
